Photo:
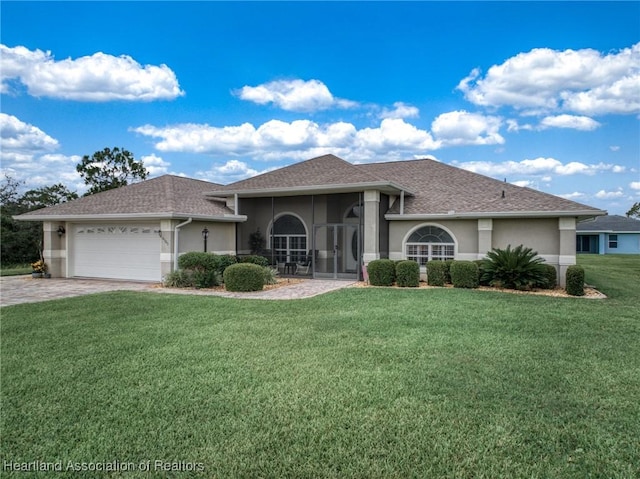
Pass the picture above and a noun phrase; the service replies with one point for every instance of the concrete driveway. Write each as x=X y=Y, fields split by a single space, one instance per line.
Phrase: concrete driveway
x=25 y=289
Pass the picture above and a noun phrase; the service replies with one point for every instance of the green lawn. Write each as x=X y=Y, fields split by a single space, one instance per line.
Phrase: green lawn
x=365 y=383
x=15 y=270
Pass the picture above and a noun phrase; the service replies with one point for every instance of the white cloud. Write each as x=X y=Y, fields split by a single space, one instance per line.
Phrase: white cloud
x=400 y=110
x=607 y=195
x=229 y=172
x=524 y=183
x=155 y=165
x=614 y=148
x=576 y=195
x=18 y=137
x=635 y=185
x=569 y=121
x=582 y=81
x=300 y=139
x=99 y=77
x=294 y=95
x=537 y=166
x=463 y=128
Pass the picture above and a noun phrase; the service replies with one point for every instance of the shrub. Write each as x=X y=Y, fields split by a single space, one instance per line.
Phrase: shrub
x=270 y=275
x=255 y=259
x=244 y=277
x=575 y=280
x=464 y=274
x=447 y=270
x=382 y=272
x=223 y=261
x=480 y=264
x=436 y=273
x=181 y=278
x=408 y=274
x=198 y=269
x=518 y=268
x=197 y=261
x=551 y=277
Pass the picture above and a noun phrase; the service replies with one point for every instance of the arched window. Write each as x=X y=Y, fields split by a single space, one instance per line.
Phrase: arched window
x=289 y=239
x=429 y=243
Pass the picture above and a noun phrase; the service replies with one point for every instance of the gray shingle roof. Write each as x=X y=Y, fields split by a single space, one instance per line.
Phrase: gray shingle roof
x=441 y=188
x=166 y=196
x=326 y=171
x=610 y=223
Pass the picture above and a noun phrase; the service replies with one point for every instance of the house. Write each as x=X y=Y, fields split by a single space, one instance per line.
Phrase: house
x=612 y=234
x=346 y=214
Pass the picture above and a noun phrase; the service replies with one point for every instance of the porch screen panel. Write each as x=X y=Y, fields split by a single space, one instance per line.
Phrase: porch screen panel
x=289 y=240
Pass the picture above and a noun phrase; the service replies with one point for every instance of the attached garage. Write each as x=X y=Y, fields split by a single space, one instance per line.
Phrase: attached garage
x=116 y=251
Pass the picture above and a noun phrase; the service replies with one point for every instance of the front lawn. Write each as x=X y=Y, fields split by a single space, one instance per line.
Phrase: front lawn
x=365 y=383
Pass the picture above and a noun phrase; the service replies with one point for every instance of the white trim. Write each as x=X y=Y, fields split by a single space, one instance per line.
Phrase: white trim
x=493 y=214
x=131 y=217
x=385 y=186
x=566 y=259
x=485 y=224
x=565 y=224
x=405 y=241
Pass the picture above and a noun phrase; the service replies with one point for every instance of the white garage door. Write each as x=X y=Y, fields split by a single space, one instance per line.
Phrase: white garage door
x=118 y=251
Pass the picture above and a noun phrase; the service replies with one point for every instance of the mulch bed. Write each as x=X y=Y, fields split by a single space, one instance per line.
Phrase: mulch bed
x=589 y=292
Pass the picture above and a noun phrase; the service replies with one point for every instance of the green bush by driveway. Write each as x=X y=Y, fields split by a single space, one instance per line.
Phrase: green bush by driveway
x=375 y=383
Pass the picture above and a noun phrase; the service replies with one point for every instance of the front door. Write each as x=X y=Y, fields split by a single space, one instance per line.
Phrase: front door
x=337 y=249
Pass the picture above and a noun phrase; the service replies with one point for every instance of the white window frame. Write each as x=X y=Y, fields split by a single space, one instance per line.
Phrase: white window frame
x=426 y=251
x=613 y=241
x=288 y=253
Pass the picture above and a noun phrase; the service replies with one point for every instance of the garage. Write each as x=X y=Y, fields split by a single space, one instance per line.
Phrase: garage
x=116 y=251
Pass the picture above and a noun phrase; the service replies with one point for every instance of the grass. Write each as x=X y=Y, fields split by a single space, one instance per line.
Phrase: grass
x=357 y=383
x=15 y=270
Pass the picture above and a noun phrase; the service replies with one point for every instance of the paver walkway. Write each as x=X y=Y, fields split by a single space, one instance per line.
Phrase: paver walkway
x=24 y=289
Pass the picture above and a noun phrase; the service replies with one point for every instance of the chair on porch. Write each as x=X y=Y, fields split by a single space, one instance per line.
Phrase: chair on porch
x=305 y=266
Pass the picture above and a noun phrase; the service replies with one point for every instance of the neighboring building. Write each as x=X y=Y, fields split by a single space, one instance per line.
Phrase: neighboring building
x=612 y=234
x=346 y=214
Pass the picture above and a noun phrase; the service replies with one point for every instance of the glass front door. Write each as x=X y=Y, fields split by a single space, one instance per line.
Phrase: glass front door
x=337 y=249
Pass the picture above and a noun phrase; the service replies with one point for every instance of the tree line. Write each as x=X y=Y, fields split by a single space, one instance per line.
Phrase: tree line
x=21 y=241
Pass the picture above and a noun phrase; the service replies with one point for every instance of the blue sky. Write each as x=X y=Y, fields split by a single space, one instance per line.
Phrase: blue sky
x=546 y=95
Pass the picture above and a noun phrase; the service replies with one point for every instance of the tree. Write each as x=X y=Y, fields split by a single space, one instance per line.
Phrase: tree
x=21 y=241
x=634 y=211
x=109 y=169
x=47 y=196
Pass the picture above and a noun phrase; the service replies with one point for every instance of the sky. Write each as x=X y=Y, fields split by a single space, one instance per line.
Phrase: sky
x=543 y=94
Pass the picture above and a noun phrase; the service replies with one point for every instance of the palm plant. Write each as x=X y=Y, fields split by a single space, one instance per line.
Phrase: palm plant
x=518 y=268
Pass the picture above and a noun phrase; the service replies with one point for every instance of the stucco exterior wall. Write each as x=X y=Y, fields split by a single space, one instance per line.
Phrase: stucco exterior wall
x=539 y=234
x=221 y=240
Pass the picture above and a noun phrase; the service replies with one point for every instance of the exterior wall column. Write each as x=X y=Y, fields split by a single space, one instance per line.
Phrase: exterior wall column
x=54 y=248
x=567 y=253
x=601 y=243
x=485 y=230
x=166 y=246
x=371 y=226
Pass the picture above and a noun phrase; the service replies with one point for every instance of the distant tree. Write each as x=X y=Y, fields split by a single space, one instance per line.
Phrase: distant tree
x=47 y=196
x=21 y=241
x=109 y=169
x=8 y=190
x=634 y=211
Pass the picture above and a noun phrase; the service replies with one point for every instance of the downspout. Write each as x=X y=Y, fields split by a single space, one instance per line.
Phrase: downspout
x=175 y=242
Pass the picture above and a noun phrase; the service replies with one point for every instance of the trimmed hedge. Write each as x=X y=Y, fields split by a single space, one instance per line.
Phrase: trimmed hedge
x=550 y=275
x=464 y=274
x=408 y=274
x=200 y=270
x=382 y=272
x=575 y=280
x=244 y=277
x=447 y=270
x=197 y=261
x=436 y=273
x=255 y=259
